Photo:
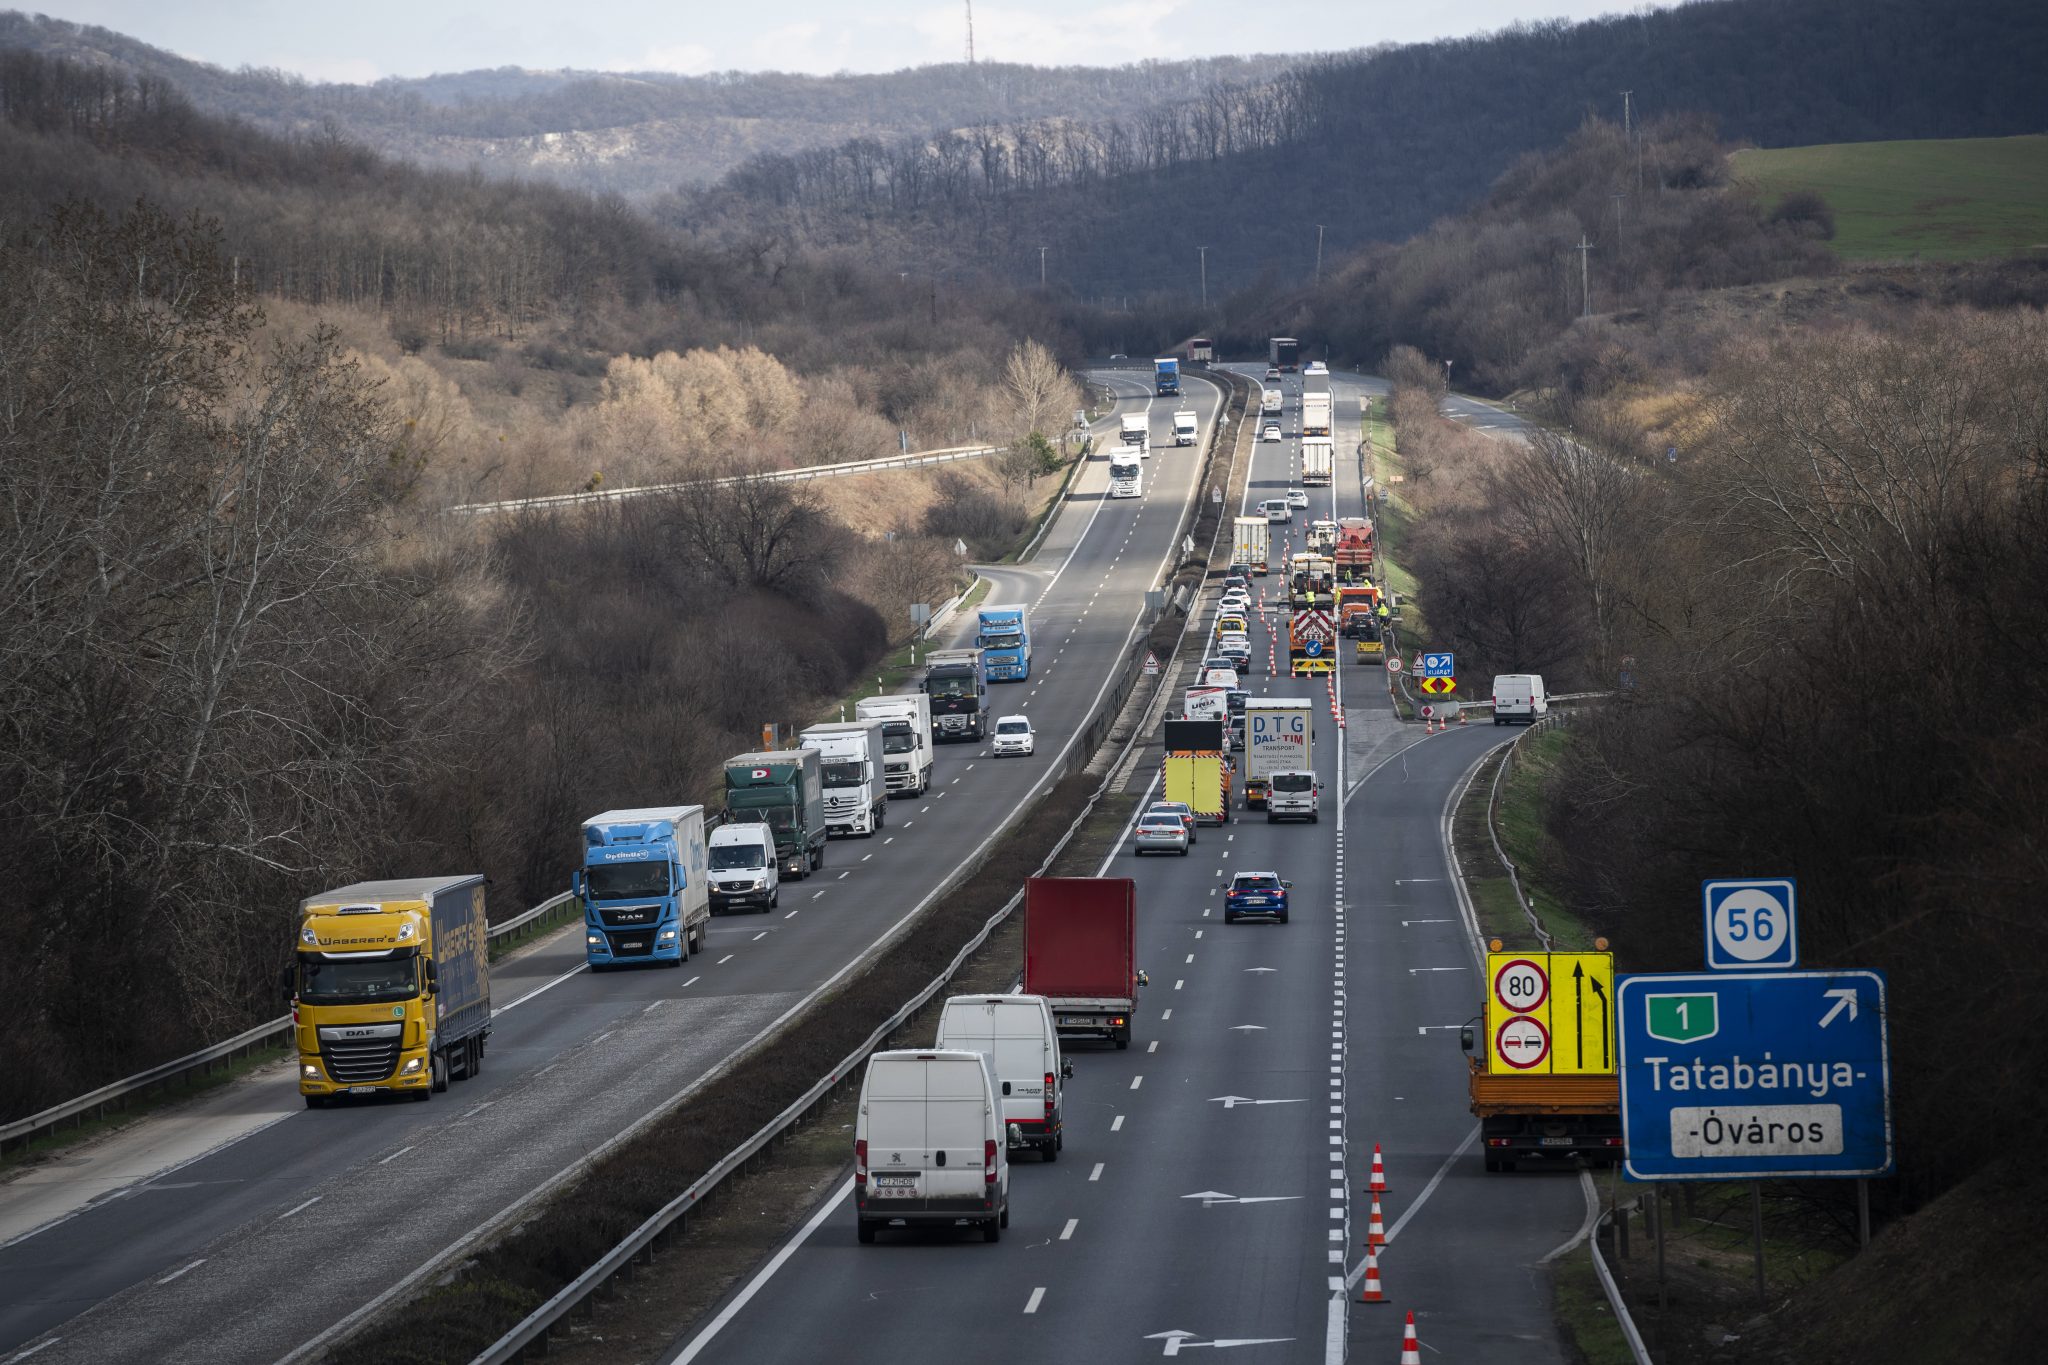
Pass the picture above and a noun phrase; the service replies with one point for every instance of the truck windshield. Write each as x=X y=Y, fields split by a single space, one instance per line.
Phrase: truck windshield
x=846 y=774
x=726 y=857
x=1001 y=641
x=1292 y=782
x=613 y=880
x=363 y=982
x=955 y=686
x=898 y=739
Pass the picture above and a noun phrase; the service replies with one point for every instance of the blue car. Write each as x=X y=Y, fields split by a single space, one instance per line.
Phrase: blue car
x=1256 y=895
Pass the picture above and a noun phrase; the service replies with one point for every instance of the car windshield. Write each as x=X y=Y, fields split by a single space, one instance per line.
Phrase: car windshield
x=1255 y=881
x=609 y=881
x=1160 y=822
x=726 y=857
x=359 y=982
x=1014 y=727
x=1167 y=808
x=1292 y=782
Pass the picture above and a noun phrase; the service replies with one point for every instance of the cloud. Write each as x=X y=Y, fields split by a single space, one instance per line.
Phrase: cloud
x=1109 y=35
x=337 y=69
x=684 y=58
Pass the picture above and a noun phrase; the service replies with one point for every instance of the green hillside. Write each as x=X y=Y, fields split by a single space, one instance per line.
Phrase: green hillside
x=1946 y=200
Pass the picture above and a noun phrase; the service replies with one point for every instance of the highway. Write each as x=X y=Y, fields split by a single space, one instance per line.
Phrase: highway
x=274 y=1223
x=1212 y=1190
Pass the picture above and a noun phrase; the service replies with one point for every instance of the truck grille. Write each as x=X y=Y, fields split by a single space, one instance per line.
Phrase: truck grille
x=369 y=1054
x=629 y=916
x=632 y=945
x=841 y=805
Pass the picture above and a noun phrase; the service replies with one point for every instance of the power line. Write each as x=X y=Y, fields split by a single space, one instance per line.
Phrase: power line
x=970 y=32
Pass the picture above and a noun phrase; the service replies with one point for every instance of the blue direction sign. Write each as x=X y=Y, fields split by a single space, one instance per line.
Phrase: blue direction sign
x=1739 y=1076
x=1438 y=666
x=1751 y=924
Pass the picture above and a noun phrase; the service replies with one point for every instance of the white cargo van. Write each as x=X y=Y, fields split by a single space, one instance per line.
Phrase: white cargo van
x=743 y=868
x=1519 y=696
x=1016 y=1034
x=929 y=1145
x=1292 y=796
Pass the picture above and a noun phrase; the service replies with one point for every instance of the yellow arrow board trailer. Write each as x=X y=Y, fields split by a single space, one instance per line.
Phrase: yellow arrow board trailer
x=1542 y=1065
x=1195 y=770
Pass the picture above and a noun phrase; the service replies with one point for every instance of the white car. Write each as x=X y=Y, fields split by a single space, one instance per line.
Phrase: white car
x=1271 y=432
x=1297 y=498
x=1236 y=604
x=1013 y=736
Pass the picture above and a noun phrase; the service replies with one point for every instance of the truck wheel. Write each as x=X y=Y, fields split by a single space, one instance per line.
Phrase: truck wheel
x=992 y=1231
x=316 y=1101
x=474 y=1065
x=437 y=1068
x=864 y=1231
x=1272 y=819
x=1004 y=1221
x=1315 y=817
x=818 y=859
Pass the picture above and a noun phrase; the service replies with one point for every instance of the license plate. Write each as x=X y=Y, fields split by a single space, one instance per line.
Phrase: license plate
x=1557 y=1142
x=1076 y=1021
x=362 y=1090
x=895 y=1186
x=633 y=944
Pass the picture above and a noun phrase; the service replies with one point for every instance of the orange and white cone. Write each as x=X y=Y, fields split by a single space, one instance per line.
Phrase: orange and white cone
x=1372 y=1293
x=1375 y=1231
x=1411 y=1348
x=1378 y=1184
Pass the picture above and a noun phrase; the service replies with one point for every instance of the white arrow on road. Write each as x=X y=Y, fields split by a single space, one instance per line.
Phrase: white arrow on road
x=1412 y=881
x=1209 y=1197
x=1845 y=998
x=1262 y=969
x=1232 y=1101
x=1177 y=1341
x=1247 y=1028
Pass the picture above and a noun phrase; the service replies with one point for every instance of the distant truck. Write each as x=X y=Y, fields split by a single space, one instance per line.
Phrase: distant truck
x=391 y=987
x=1166 y=377
x=1185 y=429
x=956 y=681
x=850 y=757
x=1081 y=953
x=785 y=790
x=1356 y=546
x=1284 y=353
x=1318 y=460
x=645 y=886
x=1126 y=472
x=1315 y=403
x=1005 y=639
x=1251 y=538
x=1270 y=399
x=906 y=739
x=1279 y=737
x=1537 y=1115
x=1195 y=770
x=1135 y=430
x=1203 y=350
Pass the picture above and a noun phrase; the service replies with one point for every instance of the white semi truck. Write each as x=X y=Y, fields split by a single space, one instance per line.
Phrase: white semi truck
x=850 y=754
x=906 y=739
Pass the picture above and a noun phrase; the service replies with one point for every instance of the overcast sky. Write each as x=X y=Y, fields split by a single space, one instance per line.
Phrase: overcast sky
x=363 y=40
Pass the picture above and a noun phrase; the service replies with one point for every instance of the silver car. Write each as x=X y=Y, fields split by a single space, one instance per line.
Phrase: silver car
x=1162 y=833
x=1179 y=810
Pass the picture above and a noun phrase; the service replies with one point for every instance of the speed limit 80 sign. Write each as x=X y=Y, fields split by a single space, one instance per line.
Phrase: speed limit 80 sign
x=1751 y=923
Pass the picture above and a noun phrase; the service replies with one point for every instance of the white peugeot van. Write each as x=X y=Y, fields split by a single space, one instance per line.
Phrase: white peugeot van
x=1519 y=696
x=929 y=1145
x=1016 y=1034
x=743 y=868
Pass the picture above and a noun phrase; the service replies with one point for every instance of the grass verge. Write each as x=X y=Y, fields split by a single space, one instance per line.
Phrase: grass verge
x=1589 y=1323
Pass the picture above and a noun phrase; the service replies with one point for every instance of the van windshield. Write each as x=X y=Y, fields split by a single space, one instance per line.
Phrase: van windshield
x=1292 y=782
x=727 y=857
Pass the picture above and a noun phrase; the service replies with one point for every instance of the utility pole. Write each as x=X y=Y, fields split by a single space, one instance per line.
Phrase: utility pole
x=1205 y=274
x=1620 y=239
x=970 y=32
x=1627 y=122
x=1585 y=284
x=1319 y=253
x=1041 y=267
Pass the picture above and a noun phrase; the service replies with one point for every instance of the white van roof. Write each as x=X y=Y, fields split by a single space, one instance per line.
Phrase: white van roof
x=741 y=832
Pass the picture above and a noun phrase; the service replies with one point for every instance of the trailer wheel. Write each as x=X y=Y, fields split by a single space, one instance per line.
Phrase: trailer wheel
x=473 y=1063
x=864 y=1232
x=818 y=858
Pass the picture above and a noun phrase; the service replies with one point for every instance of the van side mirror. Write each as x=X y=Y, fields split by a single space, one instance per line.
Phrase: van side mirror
x=1066 y=1070
x=1144 y=980
x=1016 y=1135
x=1465 y=1038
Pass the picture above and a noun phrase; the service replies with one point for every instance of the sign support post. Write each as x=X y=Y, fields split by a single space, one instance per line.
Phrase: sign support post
x=1756 y=1220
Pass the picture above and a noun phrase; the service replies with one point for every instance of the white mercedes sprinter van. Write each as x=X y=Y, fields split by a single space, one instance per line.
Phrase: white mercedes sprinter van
x=1519 y=696
x=1016 y=1034
x=929 y=1145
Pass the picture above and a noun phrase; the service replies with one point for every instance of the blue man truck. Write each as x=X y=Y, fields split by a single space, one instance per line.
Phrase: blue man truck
x=1005 y=639
x=1166 y=377
x=957 y=682
x=645 y=894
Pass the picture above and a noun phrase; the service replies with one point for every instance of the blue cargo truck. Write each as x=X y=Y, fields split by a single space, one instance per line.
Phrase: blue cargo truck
x=645 y=894
x=1166 y=377
x=1005 y=639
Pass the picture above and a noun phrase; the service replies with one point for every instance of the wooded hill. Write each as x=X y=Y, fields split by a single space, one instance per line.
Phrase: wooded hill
x=1375 y=146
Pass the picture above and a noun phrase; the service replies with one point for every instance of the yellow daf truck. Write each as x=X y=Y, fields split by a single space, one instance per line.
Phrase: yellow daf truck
x=391 y=990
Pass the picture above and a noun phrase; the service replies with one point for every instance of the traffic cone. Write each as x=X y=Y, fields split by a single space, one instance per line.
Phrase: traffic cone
x=1379 y=1172
x=1371 y=1293
x=1375 y=1231
x=1411 y=1349
x=1461 y=717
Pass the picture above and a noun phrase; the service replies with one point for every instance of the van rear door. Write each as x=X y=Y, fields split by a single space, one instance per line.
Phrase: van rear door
x=957 y=1124
x=898 y=1154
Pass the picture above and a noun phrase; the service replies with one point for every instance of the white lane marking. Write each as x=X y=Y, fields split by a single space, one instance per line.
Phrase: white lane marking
x=1096 y=1174
x=474 y=1110
x=1116 y=1125
x=39 y=1346
x=538 y=989
x=791 y=915
x=296 y=1208
x=1179 y=983
x=386 y=1161
x=1137 y=1081
x=1037 y=1297
x=1198 y=934
x=1152 y=1046
x=756 y=939
x=1067 y=1232
x=816 y=894
x=762 y=1276
x=1191 y=958
x=1358 y=1273
x=1166 y=1016
x=723 y=960
x=892 y=838
x=194 y=1266
x=865 y=856
x=844 y=875
x=695 y=979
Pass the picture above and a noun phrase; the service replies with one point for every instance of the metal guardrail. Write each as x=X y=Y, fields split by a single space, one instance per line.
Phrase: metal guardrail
x=639 y=1244
x=548 y=501
x=95 y=1104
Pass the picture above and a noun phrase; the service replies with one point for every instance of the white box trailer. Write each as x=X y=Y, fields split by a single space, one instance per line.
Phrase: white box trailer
x=1251 y=538
x=1318 y=460
x=1279 y=736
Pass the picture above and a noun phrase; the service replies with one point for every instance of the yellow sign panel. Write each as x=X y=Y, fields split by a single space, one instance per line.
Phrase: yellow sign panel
x=1439 y=686
x=1550 y=1014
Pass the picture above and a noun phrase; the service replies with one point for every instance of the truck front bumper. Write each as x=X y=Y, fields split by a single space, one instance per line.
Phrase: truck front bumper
x=412 y=1073
x=623 y=947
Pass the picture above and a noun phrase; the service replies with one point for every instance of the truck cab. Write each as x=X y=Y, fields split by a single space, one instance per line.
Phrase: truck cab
x=1184 y=427
x=850 y=758
x=785 y=790
x=956 y=682
x=644 y=887
x=1004 y=635
x=1166 y=377
x=906 y=740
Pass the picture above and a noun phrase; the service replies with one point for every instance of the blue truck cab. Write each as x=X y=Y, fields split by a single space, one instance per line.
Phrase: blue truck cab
x=643 y=883
x=1166 y=376
x=1005 y=639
